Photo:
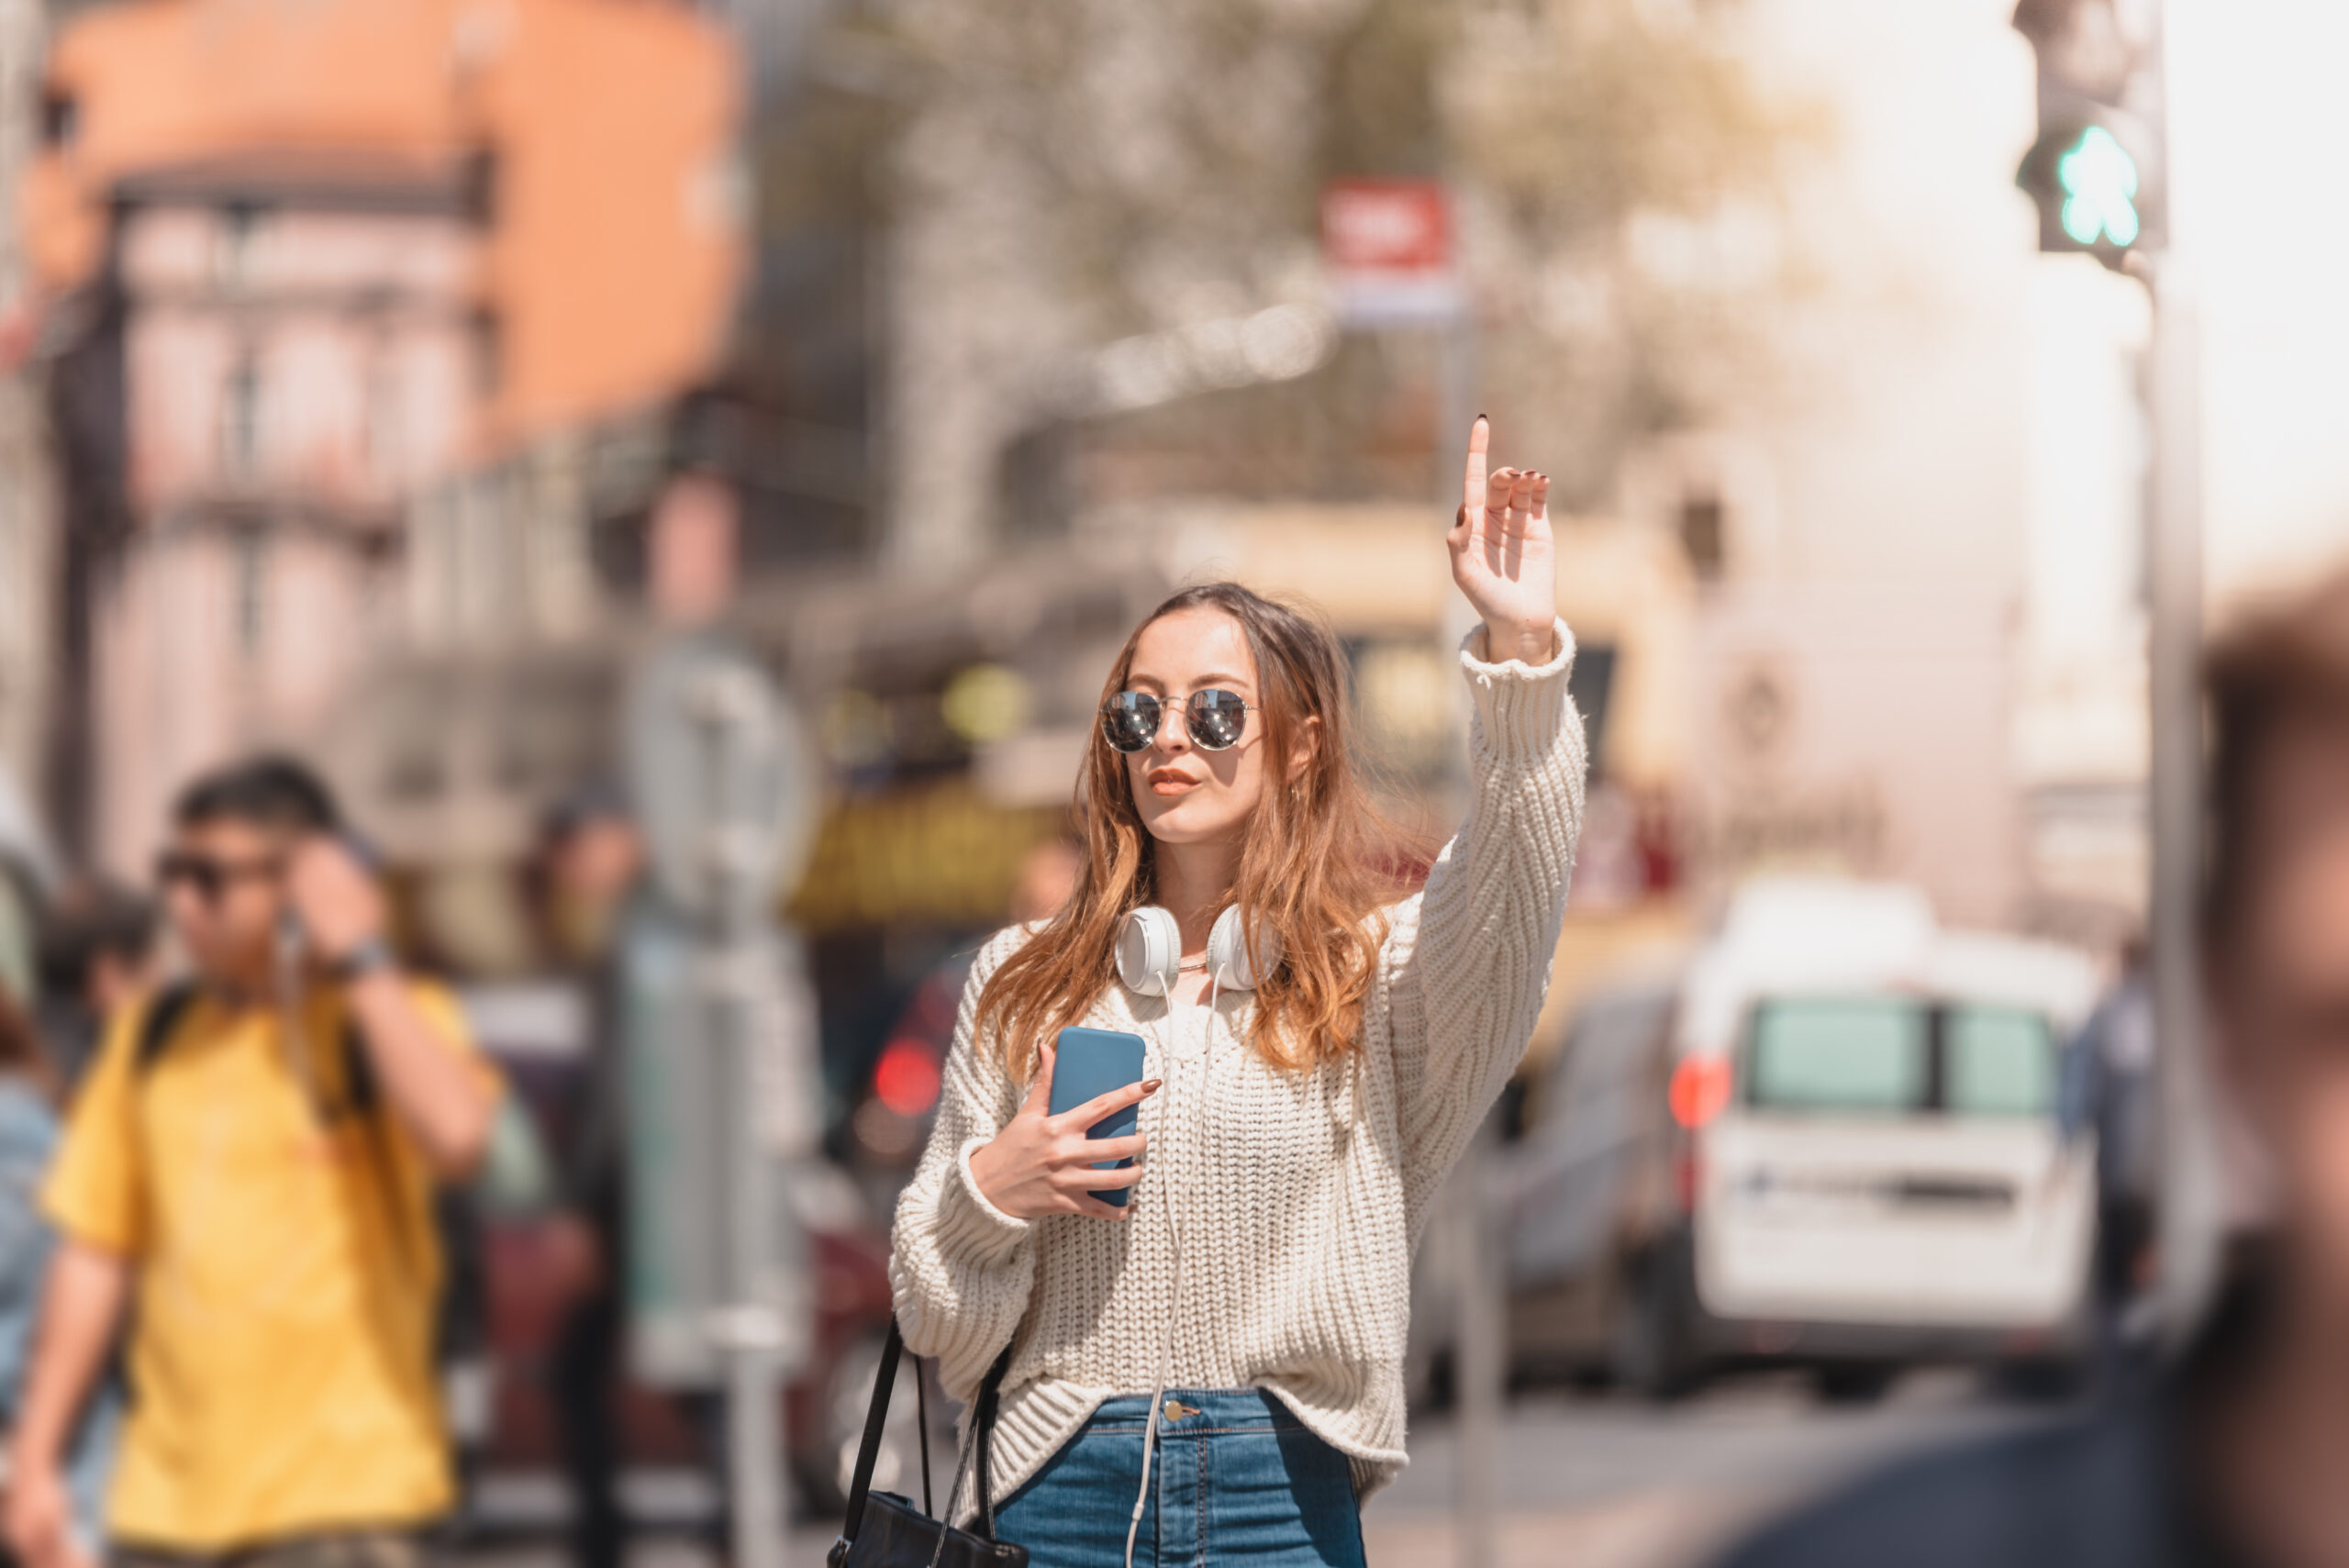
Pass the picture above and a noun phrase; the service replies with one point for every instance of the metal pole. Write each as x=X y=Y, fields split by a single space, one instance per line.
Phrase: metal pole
x=1477 y=1364
x=1478 y=1351
x=748 y=1330
x=2191 y=1219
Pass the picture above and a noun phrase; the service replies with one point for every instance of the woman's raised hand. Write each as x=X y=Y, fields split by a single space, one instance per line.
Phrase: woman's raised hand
x=1504 y=556
x=1041 y=1163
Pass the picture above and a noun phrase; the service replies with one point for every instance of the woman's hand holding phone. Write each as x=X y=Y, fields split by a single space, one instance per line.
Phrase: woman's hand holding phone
x=1041 y=1163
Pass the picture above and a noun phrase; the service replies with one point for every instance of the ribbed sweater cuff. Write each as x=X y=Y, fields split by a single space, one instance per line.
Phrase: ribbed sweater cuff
x=969 y=1227
x=1519 y=706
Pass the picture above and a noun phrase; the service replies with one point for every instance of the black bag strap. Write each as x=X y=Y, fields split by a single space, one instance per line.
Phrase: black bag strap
x=162 y=1017
x=983 y=1442
x=877 y=1417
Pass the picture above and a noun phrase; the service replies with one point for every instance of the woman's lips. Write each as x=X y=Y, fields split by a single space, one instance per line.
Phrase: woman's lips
x=1167 y=780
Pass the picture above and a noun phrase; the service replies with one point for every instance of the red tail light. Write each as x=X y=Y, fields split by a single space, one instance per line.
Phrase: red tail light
x=906 y=1078
x=1700 y=1092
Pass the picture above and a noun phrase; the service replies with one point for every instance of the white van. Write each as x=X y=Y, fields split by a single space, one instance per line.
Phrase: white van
x=1879 y=1172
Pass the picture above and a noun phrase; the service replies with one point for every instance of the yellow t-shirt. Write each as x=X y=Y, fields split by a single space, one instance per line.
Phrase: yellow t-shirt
x=287 y=1273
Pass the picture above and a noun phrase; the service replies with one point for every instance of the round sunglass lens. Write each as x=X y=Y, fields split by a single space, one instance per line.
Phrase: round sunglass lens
x=1130 y=721
x=1216 y=719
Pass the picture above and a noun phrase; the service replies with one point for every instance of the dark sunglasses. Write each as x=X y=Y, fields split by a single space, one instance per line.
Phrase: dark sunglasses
x=208 y=875
x=1130 y=720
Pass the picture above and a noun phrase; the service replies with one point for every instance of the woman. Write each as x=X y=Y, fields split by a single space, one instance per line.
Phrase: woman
x=1261 y=1273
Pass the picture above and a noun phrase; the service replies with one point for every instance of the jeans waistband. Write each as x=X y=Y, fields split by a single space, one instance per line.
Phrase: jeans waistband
x=1198 y=1412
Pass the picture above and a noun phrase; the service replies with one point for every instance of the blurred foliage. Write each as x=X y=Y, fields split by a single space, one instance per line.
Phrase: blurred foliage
x=1098 y=168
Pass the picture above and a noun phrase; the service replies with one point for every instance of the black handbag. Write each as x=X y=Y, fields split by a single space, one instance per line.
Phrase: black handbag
x=885 y=1530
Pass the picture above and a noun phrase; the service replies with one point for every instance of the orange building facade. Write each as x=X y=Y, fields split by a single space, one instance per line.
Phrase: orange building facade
x=303 y=265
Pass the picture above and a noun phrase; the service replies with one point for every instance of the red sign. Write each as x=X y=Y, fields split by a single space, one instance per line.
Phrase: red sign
x=1386 y=227
x=1389 y=246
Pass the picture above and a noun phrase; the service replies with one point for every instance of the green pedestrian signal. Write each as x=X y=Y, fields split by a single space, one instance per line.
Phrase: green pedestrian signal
x=2094 y=188
x=2099 y=185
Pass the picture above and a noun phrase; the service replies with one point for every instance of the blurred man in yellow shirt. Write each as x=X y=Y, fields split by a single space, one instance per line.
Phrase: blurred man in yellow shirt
x=252 y=1161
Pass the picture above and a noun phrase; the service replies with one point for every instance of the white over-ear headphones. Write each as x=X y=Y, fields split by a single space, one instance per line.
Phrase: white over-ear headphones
x=1150 y=953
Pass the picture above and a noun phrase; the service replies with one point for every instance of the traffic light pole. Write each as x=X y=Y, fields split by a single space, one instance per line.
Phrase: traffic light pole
x=2192 y=1220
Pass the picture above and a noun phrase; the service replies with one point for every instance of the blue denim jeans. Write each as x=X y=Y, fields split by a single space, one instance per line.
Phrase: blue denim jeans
x=1237 y=1478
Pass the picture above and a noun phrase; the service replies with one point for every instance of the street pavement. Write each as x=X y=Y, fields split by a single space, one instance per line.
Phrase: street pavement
x=1605 y=1481
x=1588 y=1479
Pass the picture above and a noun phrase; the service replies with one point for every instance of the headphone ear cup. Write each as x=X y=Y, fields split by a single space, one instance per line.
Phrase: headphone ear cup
x=1237 y=965
x=1150 y=950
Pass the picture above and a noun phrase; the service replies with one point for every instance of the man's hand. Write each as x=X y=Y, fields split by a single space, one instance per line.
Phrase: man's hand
x=82 y=1305
x=336 y=899
x=1504 y=556
x=1041 y=1163
x=41 y=1517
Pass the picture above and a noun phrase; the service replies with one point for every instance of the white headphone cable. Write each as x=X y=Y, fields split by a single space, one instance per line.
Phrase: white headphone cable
x=1175 y=1233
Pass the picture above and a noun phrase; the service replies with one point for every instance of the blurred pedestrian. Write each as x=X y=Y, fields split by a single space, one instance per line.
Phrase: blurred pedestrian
x=28 y=1142
x=2118 y=1095
x=97 y=954
x=1228 y=1345
x=252 y=1158
x=2235 y=1455
x=592 y=859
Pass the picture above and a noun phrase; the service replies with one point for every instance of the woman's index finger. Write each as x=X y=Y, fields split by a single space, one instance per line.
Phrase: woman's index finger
x=1101 y=1107
x=1480 y=440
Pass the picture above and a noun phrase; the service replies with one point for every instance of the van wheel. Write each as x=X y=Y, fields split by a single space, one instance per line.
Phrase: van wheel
x=1862 y=1384
x=1651 y=1352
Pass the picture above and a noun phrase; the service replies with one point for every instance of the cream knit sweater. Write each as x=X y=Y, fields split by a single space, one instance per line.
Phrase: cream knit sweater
x=1298 y=1197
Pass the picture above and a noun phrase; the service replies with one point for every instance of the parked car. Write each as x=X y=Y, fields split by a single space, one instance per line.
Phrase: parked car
x=1835 y=1142
x=1587 y=1189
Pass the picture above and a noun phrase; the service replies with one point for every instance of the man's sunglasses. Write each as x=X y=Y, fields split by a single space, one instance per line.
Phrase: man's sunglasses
x=1130 y=720
x=208 y=875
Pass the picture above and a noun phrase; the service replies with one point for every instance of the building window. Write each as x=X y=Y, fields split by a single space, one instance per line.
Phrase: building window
x=489 y=357
x=240 y=420
x=1703 y=533
x=386 y=422
x=232 y=255
x=252 y=591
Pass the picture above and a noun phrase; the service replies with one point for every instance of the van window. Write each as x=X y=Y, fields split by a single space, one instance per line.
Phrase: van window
x=1999 y=1062
x=1840 y=1054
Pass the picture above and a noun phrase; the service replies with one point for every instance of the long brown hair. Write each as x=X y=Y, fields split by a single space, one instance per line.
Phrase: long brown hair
x=1317 y=863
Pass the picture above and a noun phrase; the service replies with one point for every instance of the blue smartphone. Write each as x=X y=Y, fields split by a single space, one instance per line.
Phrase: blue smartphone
x=1089 y=1063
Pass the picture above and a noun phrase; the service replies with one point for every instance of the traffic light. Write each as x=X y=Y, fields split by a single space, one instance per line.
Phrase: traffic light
x=2095 y=169
x=2094 y=189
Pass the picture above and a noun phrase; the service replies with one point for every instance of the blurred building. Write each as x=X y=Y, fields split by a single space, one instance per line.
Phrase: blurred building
x=306 y=269
x=1928 y=660
x=26 y=491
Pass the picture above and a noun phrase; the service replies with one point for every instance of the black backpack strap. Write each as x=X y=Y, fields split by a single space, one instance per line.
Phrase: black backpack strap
x=359 y=1090
x=162 y=1017
x=171 y=1003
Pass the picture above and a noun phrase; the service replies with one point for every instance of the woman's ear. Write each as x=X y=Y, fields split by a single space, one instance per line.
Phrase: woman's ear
x=1308 y=747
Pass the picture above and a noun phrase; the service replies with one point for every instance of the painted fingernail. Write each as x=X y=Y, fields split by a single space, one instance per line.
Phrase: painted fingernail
x=1150 y=1086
